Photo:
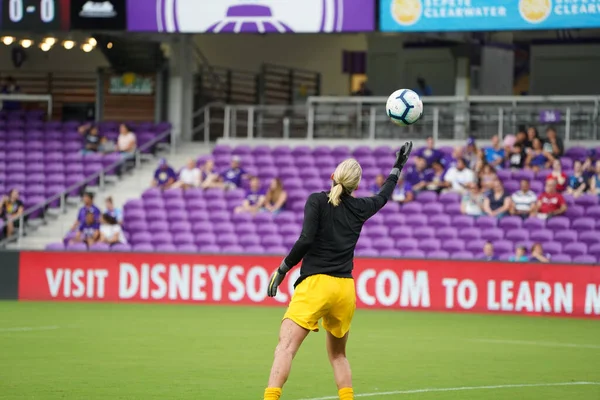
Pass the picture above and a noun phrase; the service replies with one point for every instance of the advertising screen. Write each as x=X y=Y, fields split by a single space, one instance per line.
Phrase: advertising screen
x=34 y=15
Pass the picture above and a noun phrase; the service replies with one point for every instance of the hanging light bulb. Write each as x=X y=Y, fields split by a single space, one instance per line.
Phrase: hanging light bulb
x=92 y=41
x=45 y=46
x=8 y=40
x=68 y=44
x=50 y=41
x=87 y=47
x=26 y=43
x=109 y=45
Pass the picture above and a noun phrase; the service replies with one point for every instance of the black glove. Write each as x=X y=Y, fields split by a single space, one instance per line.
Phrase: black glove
x=276 y=279
x=402 y=157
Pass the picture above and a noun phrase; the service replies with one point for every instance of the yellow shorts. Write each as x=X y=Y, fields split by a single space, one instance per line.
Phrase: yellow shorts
x=327 y=297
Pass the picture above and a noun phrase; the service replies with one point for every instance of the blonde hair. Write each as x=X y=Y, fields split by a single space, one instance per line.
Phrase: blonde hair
x=346 y=177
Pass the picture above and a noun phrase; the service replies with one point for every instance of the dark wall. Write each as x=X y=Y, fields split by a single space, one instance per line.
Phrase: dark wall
x=9 y=275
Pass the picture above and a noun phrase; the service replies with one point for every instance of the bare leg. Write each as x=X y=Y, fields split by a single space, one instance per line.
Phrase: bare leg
x=10 y=228
x=291 y=337
x=336 y=349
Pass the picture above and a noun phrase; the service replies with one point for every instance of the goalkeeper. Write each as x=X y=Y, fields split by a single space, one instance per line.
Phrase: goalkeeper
x=325 y=289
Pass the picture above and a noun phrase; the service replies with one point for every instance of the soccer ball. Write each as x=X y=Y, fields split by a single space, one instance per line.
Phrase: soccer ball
x=404 y=107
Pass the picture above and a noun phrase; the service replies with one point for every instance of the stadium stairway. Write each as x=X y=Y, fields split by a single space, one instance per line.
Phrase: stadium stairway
x=131 y=186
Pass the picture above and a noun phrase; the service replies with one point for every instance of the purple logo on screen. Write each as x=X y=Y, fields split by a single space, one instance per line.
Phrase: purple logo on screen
x=549 y=116
x=250 y=18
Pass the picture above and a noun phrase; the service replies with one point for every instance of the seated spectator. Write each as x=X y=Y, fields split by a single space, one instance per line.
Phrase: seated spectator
x=488 y=252
x=127 y=141
x=472 y=201
x=589 y=165
x=110 y=230
x=164 y=176
x=550 y=203
x=438 y=175
x=553 y=144
x=89 y=230
x=93 y=140
x=376 y=187
x=532 y=135
x=487 y=177
x=190 y=176
x=537 y=158
x=523 y=200
x=113 y=211
x=276 y=197
x=577 y=184
x=459 y=176
x=208 y=174
x=537 y=254
x=520 y=255
x=517 y=156
x=419 y=176
x=232 y=177
x=497 y=202
x=88 y=207
x=494 y=155
x=255 y=197
x=10 y=210
x=403 y=192
x=470 y=153
x=558 y=175
x=429 y=153
x=595 y=180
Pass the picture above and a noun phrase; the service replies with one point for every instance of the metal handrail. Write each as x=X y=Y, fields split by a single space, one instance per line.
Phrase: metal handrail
x=98 y=175
x=30 y=98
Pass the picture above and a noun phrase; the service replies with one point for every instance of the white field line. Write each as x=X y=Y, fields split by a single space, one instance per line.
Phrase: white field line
x=458 y=389
x=536 y=343
x=29 y=328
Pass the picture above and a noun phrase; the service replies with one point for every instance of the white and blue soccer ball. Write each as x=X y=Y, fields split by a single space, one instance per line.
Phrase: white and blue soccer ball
x=404 y=107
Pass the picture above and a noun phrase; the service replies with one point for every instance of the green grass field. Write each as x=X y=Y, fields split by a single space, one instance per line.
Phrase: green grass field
x=122 y=351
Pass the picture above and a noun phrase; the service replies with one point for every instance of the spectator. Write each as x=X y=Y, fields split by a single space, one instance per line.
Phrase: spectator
x=10 y=86
x=459 y=176
x=376 y=187
x=517 y=156
x=553 y=144
x=537 y=254
x=487 y=177
x=164 y=176
x=595 y=180
x=89 y=230
x=255 y=197
x=92 y=139
x=520 y=255
x=429 y=152
x=532 y=135
x=209 y=175
x=470 y=153
x=558 y=175
x=537 y=158
x=497 y=203
x=438 y=182
x=480 y=162
x=88 y=207
x=423 y=89
x=494 y=155
x=232 y=177
x=577 y=184
x=189 y=176
x=363 y=90
x=488 y=252
x=276 y=197
x=10 y=210
x=403 y=192
x=110 y=230
x=113 y=211
x=127 y=141
x=589 y=165
x=523 y=200
x=419 y=176
x=550 y=203
x=472 y=201
x=521 y=137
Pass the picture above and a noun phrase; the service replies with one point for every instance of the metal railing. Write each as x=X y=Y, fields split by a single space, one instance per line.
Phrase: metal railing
x=576 y=118
x=100 y=176
x=30 y=98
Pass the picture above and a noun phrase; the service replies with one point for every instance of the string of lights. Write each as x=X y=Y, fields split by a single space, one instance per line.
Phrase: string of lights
x=47 y=43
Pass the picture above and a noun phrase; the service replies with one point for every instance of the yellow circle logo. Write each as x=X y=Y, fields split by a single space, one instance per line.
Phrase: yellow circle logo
x=535 y=11
x=406 y=12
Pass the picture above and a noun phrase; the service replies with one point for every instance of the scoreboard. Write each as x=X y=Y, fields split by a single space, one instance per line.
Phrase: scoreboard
x=34 y=15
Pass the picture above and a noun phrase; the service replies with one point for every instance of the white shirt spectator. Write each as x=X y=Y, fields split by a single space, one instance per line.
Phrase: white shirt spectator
x=524 y=200
x=126 y=141
x=190 y=177
x=109 y=231
x=459 y=178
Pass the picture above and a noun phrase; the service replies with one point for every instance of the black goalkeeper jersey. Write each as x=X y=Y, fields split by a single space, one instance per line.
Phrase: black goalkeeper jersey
x=329 y=234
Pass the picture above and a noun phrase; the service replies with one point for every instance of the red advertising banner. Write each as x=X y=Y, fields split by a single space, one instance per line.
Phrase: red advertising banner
x=459 y=286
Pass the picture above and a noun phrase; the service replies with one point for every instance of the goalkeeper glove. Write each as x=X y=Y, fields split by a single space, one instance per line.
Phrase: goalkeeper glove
x=276 y=279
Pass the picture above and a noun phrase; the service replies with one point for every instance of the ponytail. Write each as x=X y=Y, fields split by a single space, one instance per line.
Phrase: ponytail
x=335 y=194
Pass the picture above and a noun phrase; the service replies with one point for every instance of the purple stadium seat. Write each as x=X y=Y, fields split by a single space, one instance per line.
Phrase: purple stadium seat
x=205 y=238
x=77 y=247
x=271 y=240
x=390 y=253
x=449 y=198
x=453 y=245
x=423 y=232
x=593 y=212
x=447 y=233
x=254 y=249
x=426 y=197
x=566 y=236
x=301 y=151
x=463 y=221
x=574 y=212
x=541 y=235
x=414 y=253
x=227 y=239
x=575 y=249
x=383 y=243
x=503 y=246
x=99 y=247
x=583 y=224
x=589 y=237
x=245 y=228
x=461 y=255
x=366 y=253
x=561 y=258
x=469 y=234
x=267 y=229
x=438 y=254
x=416 y=220
x=406 y=244
x=439 y=221
x=486 y=222
x=517 y=235
x=475 y=245
x=553 y=247
x=492 y=234
x=377 y=231
x=429 y=245
x=165 y=248
x=411 y=208
x=232 y=249
x=197 y=216
x=558 y=223
x=321 y=151
x=395 y=220
x=400 y=232
x=510 y=222
x=55 y=246
x=585 y=259
x=533 y=224
x=183 y=238
x=209 y=248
